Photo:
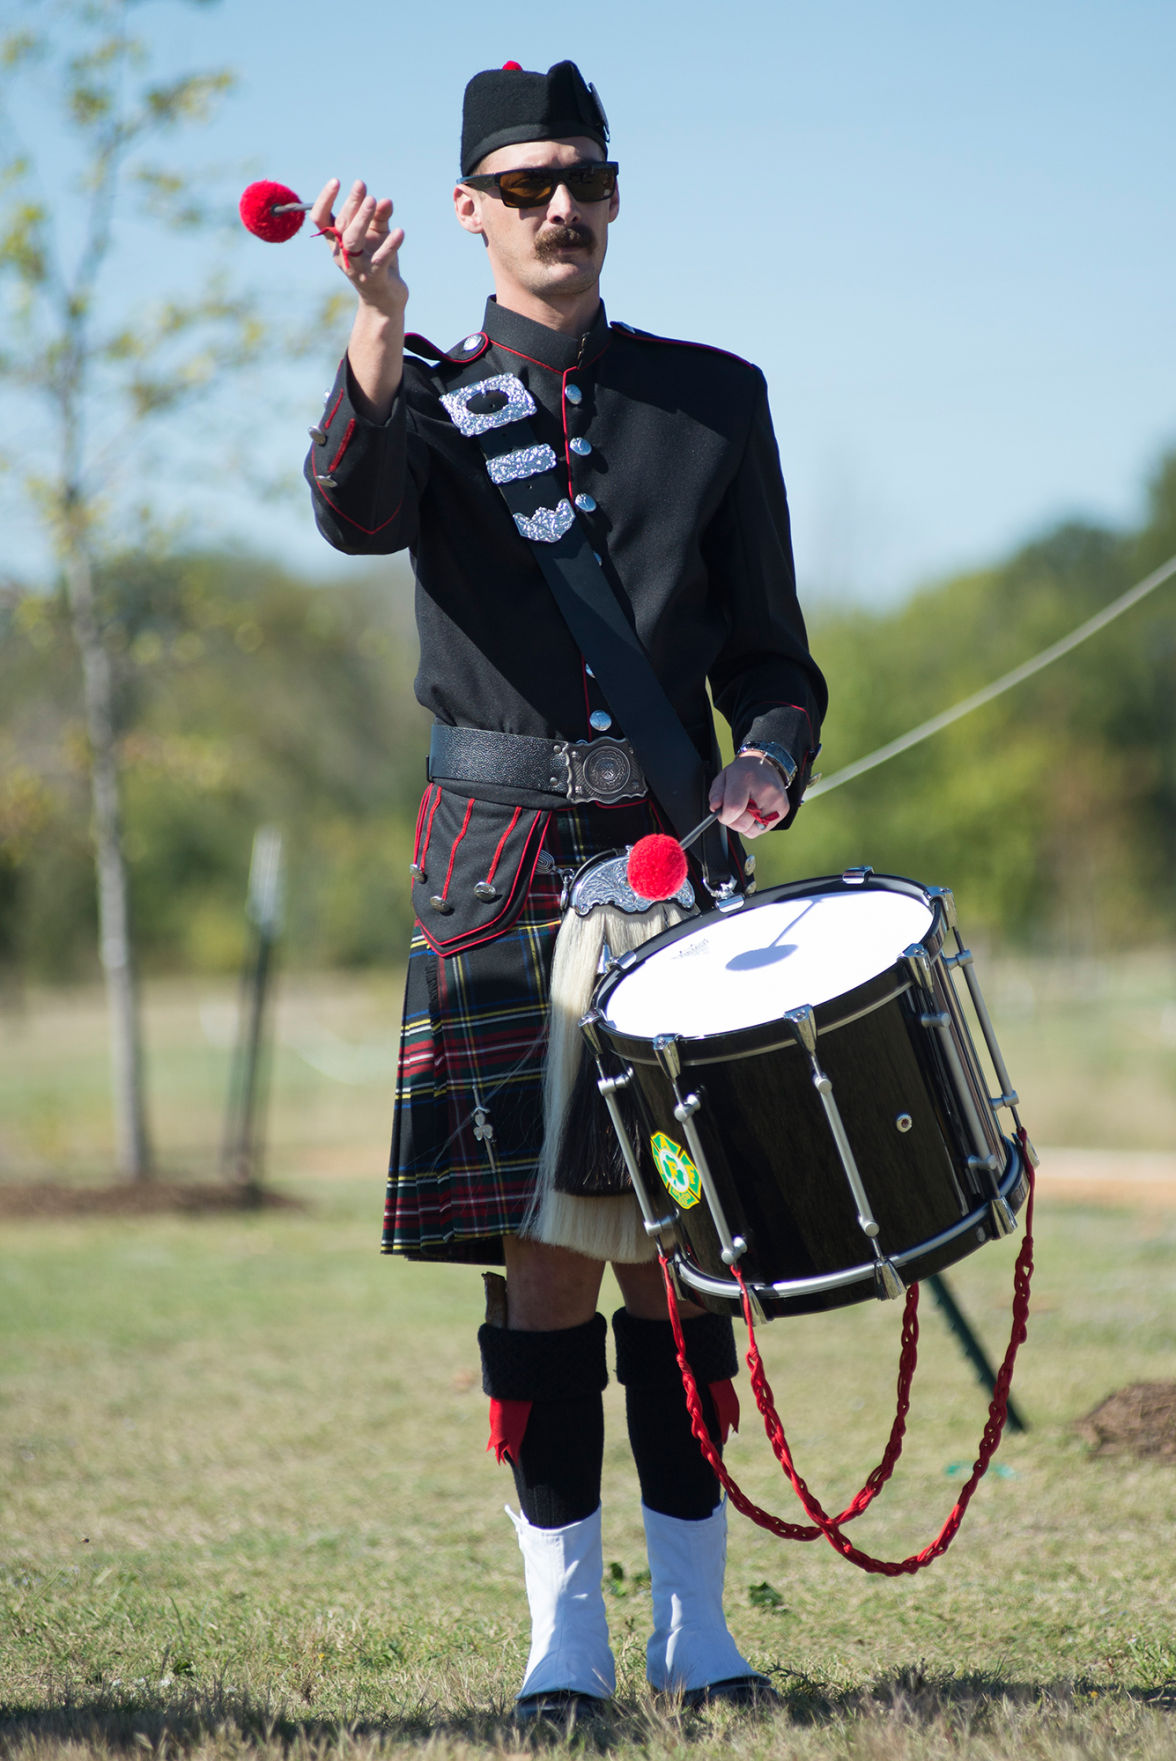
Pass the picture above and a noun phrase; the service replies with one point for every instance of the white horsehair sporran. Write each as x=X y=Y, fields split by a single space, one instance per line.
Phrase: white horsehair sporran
x=603 y=919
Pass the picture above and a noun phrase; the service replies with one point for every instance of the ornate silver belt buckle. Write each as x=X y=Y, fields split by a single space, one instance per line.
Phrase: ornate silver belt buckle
x=603 y=770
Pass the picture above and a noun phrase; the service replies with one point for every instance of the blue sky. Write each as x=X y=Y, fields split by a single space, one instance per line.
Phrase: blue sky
x=945 y=233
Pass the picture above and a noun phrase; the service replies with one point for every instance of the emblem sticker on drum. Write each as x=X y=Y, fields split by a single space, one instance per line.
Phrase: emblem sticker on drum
x=679 y=1175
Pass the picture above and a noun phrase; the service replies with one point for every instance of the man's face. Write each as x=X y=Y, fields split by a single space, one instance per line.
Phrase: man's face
x=556 y=249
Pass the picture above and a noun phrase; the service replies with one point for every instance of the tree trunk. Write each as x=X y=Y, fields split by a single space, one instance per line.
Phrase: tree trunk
x=114 y=917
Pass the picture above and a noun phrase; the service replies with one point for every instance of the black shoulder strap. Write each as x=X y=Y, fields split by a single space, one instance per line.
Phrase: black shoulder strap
x=673 y=767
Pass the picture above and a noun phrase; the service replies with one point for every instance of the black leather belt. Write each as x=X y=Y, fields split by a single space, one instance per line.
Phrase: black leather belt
x=604 y=769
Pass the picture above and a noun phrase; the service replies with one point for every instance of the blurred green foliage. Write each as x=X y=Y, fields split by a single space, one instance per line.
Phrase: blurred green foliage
x=244 y=696
x=248 y=696
x=1052 y=811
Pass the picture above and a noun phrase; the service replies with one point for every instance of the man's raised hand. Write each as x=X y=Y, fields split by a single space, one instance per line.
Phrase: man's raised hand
x=367 y=250
x=364 y=245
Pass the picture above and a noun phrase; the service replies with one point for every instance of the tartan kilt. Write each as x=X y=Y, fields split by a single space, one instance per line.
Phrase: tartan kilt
x=468 y=1124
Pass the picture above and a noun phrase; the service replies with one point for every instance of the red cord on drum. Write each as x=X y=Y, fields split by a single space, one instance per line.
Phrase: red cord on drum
x=831 y=1526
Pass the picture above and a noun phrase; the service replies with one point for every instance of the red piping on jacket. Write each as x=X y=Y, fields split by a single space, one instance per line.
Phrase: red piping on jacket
x=465 y=826
x=429 y=828
x=501 y=843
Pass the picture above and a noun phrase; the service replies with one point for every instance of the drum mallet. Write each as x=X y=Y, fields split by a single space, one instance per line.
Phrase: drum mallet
x=657 y=863
x=273 y=211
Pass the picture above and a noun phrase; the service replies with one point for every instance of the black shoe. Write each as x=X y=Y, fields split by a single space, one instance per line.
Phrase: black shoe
x=561 y=1706
x=735 y=1690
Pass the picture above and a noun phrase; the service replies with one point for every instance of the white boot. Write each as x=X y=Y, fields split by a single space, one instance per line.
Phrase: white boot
x=570 y=1651
x=691 y=1650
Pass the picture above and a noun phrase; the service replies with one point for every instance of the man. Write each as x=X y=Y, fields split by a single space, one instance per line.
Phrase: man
x=665 y=452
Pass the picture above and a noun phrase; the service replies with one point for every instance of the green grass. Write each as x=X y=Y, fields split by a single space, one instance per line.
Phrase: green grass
x=247 y=1508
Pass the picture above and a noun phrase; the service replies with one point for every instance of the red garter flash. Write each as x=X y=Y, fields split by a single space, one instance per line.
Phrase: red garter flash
x=508 y=1425
x=726 y=1407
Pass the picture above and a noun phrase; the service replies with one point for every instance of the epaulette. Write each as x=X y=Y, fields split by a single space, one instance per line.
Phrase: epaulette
x=468 y=349
x=707 y=348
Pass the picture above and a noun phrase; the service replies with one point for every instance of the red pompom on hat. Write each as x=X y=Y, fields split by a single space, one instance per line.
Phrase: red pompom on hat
x=512 y=67
x=257 y=206
x=656 y=867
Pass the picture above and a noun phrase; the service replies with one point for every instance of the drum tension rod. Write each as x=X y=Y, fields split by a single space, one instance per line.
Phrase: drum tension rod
x=1001 y=1217
x=1008 y=1096
x=732 y=1247
x=920 y=965
x=803 y=1023
x=610 y=1087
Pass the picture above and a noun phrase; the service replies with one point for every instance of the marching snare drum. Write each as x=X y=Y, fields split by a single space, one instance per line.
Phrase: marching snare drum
x=795 y=1088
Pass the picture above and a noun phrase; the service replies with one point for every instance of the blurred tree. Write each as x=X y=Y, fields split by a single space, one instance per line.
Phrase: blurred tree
x=253 y=696
x=1050 y=811
x=104 y=380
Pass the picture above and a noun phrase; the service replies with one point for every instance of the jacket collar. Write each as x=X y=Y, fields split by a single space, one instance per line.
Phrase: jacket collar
x=551 y=348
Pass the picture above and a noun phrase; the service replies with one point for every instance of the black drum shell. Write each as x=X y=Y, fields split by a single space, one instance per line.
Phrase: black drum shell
x=772 y=1155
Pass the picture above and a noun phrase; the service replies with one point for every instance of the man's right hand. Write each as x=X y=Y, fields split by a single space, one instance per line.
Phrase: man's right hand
x=364 y=245
x=367 y=249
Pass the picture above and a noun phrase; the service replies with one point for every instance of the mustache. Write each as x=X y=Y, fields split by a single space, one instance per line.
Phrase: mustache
x=562 y=238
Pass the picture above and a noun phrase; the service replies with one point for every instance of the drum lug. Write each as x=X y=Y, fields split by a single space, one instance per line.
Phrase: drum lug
x=758 y=1312
x=946 y=899
x=919 y=965
x=856 y=877
x=888 y=1285
x=665 y=1048
x=1001 y=1218
x=680 y=1291
x=804 y=1026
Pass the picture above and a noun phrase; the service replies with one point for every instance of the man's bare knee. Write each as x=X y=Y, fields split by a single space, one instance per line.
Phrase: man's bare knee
x=644 y=1292
x=548 y=1287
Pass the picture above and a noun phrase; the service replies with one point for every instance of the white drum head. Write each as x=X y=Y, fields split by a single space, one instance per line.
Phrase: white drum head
x=753 y=965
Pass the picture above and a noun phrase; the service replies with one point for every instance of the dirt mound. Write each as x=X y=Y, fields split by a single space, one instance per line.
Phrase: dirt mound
x=48 y=1199
x=1140 y=1419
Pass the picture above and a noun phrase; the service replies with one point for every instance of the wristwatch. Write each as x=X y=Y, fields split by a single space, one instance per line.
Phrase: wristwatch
x=776 y=755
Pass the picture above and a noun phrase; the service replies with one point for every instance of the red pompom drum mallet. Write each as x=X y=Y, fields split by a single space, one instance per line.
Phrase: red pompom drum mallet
x=272 y=211
x=657 y=863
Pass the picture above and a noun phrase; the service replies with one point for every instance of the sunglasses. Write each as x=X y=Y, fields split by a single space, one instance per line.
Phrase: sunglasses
x=593 y=180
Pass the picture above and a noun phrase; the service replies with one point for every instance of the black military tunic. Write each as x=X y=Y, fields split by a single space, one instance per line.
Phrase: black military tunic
x=666 y=451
